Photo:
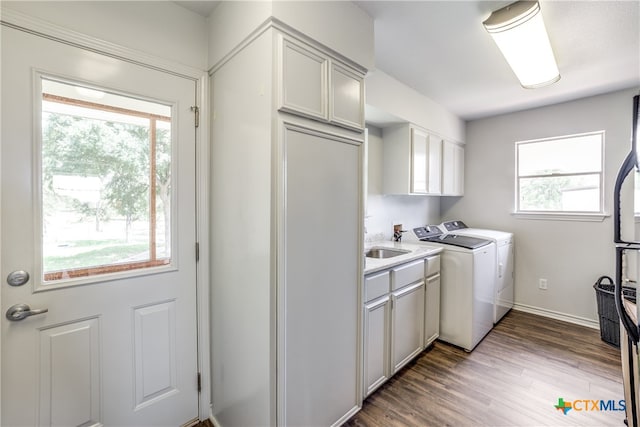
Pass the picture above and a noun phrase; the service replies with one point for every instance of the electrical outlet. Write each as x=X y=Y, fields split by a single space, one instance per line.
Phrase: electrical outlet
x=542 y=284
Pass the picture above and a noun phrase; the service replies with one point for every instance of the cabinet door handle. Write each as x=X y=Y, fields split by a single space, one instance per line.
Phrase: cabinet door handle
x=408 y=289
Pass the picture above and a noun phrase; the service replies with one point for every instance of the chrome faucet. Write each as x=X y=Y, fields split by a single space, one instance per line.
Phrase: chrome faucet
x=397 y=233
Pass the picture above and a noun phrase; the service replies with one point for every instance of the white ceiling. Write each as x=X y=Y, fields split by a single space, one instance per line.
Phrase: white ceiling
x=440 y=49
x=202 y=7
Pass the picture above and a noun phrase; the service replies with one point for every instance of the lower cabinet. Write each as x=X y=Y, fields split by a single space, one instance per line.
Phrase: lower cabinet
x=377 y=339
x=432 y=309
x=407 y=326
x=432 y=300
x=394 y=321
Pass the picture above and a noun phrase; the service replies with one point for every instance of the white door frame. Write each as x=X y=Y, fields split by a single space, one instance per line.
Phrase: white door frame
x=42 y=28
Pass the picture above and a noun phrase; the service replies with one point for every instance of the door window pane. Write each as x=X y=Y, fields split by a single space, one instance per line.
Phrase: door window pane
x=106 y=182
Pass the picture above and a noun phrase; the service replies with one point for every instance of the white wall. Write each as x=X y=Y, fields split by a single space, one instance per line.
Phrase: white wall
x=241 y=325
x=394 y=97
x=395 y=102
x=384 y=210
x=159 y=28
x=230 y=23
x=571 y=255
x=341 y=26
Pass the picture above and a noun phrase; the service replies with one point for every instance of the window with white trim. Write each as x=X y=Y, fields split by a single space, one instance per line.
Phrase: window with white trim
x=561 y=175
x=106 y=182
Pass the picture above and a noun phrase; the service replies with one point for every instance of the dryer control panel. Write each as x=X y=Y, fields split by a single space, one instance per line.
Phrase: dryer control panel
x=427 y=232
x=454 y=225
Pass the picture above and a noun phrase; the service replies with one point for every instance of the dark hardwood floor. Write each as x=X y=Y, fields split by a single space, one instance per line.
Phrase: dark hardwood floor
x=514 y=377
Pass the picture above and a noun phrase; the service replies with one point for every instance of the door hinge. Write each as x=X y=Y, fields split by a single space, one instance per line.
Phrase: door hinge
x=197 y=251
x=196 y=110
x=199 y=383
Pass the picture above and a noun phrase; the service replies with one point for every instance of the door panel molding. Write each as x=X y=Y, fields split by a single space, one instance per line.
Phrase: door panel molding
x=70 y=373
x=154 y=329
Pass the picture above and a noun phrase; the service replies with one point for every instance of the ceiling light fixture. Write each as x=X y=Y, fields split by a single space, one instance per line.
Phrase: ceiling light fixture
x=519 y=32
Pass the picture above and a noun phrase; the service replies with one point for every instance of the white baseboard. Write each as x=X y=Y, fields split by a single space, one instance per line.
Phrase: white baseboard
x=577 y=320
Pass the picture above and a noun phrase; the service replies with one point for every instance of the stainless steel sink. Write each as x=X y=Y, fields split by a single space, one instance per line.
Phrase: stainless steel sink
x=384 y=252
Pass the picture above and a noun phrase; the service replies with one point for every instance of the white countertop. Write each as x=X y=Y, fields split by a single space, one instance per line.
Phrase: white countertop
x=417 y=251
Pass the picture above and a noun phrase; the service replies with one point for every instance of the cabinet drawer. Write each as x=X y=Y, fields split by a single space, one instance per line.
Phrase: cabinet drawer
x=406 y=274
x=433 y=265
x=376 y=286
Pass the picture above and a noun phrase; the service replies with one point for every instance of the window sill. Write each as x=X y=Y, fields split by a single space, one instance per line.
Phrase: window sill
x=558 y=216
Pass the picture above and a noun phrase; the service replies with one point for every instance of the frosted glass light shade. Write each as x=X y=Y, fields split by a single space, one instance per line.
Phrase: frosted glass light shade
x=519 y=32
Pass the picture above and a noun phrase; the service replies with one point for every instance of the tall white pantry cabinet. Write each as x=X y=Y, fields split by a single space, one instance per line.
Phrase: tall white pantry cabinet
x=287 y=215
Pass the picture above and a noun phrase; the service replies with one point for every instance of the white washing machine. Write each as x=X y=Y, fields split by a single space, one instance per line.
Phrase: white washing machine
x=467 y=279
x=505 y=260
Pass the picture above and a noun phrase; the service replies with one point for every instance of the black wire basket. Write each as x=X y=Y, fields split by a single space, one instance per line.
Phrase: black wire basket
x=609 y=319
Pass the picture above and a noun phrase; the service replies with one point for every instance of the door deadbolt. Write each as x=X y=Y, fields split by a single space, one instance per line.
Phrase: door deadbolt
x=18 y=278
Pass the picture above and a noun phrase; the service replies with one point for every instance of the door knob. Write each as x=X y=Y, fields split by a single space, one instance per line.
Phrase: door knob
x=20 y=311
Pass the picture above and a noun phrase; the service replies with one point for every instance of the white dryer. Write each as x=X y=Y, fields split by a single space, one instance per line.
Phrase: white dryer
x=467 y=279
x=504 y=287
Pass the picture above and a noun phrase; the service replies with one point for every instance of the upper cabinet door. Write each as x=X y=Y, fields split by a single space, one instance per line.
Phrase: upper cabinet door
x=303 y=80
x=315 y=84
x=452 y=169
x=419 y=161
x=434 y=172
x=426 y=157
x=346 y=97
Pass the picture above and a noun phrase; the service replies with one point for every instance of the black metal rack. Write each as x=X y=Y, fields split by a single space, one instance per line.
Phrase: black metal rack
x=632 y=328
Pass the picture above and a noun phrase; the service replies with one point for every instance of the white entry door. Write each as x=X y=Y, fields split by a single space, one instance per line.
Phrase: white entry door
x=98 y=208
